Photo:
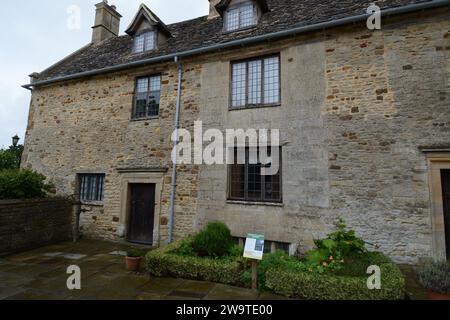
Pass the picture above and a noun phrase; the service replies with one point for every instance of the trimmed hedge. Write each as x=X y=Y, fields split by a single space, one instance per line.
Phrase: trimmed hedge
x=163 y=263
x=282 y=280
x=313 y=286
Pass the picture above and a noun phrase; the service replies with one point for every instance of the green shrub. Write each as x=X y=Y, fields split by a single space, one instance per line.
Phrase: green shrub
x=214 y=241
x=236 y=251
x=330 y=286
x=164 y=263
x=356 y=265
x=276 y=260
x=22 y=184
x=135 y=252
x=435 y=276
x=185 y=248
x=10 y=158
x=332 y=251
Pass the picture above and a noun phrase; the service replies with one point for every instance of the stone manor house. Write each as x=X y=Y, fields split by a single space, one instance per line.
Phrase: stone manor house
x=364 y=119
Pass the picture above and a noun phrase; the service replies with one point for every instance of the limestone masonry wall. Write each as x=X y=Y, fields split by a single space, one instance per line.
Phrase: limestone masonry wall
x=86 y=127
x=356 y=106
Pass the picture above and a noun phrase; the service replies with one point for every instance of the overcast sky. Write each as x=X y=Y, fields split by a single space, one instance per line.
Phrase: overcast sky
x=35 y=34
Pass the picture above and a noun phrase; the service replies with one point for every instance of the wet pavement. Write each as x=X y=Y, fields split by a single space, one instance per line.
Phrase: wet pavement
x=41 y=274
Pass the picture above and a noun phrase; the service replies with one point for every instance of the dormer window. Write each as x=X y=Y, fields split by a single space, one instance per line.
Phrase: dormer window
x=144 y=42
x=148 y=31
x=241 y=17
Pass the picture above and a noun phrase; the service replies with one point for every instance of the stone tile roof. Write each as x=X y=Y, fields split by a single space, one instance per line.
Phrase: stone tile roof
x=201 y=32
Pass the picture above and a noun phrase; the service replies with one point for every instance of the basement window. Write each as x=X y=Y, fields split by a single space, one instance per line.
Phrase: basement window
x=269 y=246
x=92 y=187
x=144 y=42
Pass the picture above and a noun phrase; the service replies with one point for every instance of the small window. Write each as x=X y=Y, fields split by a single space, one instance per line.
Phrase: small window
x=147 y=97
x=92 y=187
x=241 y=17
x=255 y=82
x=144 y=42
x=246 y=183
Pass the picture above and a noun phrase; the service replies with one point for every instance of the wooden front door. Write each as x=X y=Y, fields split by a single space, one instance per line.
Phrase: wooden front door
x=142 y=213
x=445 y=176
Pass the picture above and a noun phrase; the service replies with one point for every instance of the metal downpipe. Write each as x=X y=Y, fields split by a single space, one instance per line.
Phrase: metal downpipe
x=174 y=159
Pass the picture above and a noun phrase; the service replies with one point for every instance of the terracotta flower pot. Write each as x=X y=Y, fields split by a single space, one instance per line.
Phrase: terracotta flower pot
x=133 y=263
x=438 y=296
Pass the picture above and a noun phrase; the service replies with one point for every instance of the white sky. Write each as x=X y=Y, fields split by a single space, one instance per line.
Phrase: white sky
x=34 y=35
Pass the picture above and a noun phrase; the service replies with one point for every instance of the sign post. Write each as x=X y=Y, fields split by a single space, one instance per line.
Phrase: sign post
x=254 y=250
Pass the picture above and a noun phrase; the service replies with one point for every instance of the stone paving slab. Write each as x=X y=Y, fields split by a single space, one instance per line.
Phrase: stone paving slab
x=40 y=274
x=161 y=286
x=220 y=291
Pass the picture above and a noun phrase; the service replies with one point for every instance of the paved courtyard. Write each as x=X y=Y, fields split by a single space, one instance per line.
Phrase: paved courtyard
x=41 y=275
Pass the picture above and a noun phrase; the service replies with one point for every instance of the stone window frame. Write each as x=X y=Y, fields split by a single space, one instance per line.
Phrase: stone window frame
x=240 y=6
x=246 y=199
x=255 y=105
x=436 y=162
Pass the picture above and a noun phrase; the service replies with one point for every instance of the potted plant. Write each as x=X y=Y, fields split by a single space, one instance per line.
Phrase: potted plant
x=133 y=259
x=435 y=277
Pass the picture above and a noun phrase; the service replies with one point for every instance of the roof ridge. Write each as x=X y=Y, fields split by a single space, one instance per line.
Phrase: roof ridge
x=200 y=34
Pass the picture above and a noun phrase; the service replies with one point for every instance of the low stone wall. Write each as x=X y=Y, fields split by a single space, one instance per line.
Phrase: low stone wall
x=27 y=224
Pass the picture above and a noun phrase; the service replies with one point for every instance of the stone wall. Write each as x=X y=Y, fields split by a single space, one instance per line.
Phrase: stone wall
x=86 y=127
x=27 y=224
x=356 y=106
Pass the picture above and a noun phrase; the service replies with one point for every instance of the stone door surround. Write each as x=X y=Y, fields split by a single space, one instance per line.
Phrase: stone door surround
x=437 y=162
x=132 y=177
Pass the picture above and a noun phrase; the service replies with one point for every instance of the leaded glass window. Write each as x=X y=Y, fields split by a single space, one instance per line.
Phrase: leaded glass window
x=255 y=82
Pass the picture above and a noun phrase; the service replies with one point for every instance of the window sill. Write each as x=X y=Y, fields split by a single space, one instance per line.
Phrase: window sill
x=249 y=203
x=144 y=119
x=225 y=32
x=92 y=203
x=141 y=53
x=250 y=107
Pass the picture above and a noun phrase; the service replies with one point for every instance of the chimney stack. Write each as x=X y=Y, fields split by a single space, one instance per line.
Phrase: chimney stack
x=107 y=22
x=212 y=9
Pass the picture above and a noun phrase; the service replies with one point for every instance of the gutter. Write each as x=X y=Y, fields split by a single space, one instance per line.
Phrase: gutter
x=242 y=42
x=175 y=150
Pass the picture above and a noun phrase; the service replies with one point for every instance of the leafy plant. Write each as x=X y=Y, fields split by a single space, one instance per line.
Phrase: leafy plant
x=278 y=259
x=135 y=253
x=332 y=251
x=435 y=276
x=329 y=286
x=185 y=248
x=165 y=263
x=282 y=274
x=236 y=251
x=23 y=184
x=10 y=158
x=214 y=241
